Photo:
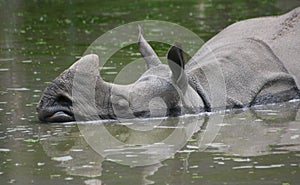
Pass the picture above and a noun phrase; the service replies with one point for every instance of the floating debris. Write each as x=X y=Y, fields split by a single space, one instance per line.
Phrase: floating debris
x=93 y=182
x=131 y=155
x=269 y=166
x=69 y=178
x=18 y=89
x=192 y=147
x=26 y=61
x=222 y=158
x=4 y=150
x=241 y=167
x=76 y=150
x=111 y=73
x=40 y=164
x=272 y=114
x=224 y=124
x=216 y=145
x=6 y=59
x=241 y=159
x=295 y=100
x=55 y=176
x=107 y=68
x=295 y=136
x=125 y=123
x=195 y=166
x=63 y=158
x=32 y=140
x=186 y=151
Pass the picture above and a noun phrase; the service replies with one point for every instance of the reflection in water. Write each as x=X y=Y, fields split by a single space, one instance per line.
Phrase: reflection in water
x=241 y=135
x=138 y=146
x=71 y=151
x=118 y=143
x=260 y=131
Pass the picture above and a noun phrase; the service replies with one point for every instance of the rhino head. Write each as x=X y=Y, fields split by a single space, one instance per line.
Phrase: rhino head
x=163 y=90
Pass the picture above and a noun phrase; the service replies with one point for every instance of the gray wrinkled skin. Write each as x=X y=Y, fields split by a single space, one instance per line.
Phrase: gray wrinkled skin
x=259 y=60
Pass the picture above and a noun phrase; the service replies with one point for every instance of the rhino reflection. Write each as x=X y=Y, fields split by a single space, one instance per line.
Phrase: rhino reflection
x=259 y=131
x=132 y=144
x=74 y=154
x=99 y=148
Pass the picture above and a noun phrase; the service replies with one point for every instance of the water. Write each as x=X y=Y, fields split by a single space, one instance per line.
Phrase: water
x=39 y=39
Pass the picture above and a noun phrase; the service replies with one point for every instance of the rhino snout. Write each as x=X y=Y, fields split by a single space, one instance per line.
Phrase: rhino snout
x=55 y=114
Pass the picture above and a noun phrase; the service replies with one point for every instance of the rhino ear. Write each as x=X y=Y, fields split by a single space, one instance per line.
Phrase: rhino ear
x=176 y=64
x=147 y=52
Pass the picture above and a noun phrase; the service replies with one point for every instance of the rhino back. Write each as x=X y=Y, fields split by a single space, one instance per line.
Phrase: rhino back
x=250 y=55
x=280 y=33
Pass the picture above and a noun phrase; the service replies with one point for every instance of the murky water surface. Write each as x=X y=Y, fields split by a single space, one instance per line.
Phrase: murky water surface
x=39 y=39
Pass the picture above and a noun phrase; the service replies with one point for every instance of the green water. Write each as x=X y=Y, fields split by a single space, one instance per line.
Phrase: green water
x=39 y=39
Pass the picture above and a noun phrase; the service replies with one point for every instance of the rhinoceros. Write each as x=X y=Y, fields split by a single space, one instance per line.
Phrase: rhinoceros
x=258 y=60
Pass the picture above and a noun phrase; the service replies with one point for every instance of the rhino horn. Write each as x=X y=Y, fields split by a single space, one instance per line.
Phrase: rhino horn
x=86 y=63
x=147 y=52
x=176 y=64
x=87 y=87
x=87 y=67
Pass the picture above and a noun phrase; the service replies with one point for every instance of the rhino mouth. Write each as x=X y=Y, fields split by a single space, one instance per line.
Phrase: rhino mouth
x=56 y=114
x=60 y=116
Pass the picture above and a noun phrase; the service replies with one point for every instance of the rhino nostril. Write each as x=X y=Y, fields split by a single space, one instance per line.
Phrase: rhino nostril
x=63 y=100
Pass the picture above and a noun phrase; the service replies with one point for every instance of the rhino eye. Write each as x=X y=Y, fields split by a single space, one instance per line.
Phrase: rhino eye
x=63 y=100
x=122 y=103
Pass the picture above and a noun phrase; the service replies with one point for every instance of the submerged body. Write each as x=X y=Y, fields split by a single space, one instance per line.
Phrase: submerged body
x=251 y=62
